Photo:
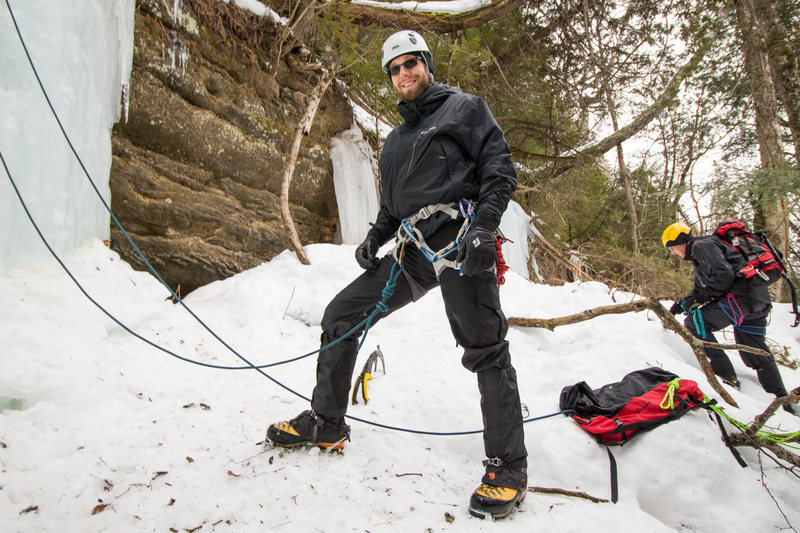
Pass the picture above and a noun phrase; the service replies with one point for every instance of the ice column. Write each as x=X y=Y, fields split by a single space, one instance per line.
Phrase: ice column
x=82 y=50
x=354 y=179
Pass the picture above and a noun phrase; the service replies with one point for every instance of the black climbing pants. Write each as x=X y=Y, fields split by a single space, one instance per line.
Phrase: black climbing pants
x=472 y=305
x=751 y=332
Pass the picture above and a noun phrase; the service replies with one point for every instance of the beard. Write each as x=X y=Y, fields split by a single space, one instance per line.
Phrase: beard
x=415 y=91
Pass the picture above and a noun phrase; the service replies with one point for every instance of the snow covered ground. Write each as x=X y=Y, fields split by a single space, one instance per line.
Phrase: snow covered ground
x=100 y=431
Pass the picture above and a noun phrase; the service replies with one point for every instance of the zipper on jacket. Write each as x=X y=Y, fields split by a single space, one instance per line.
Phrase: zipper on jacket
x=414 y=147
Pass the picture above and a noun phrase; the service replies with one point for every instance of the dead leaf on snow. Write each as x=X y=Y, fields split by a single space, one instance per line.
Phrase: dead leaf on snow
x=99 y=508
x=232 y=474
x=30 y=509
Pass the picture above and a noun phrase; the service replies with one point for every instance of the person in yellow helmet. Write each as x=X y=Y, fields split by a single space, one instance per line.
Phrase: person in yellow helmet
x=720 y=299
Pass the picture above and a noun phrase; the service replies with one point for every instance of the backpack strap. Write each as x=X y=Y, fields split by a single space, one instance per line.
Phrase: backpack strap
x=612 y=462
x=725 y=437
x=613 y=471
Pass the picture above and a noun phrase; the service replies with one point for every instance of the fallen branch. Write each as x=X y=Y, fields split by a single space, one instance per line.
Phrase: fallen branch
x=558 y=255
x=756 y=441
x=667 y=319
x=552 y=323
x=575 y=494
x=760 y=420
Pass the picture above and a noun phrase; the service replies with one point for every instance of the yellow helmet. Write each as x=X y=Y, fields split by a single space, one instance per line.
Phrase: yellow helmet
x=676 y=234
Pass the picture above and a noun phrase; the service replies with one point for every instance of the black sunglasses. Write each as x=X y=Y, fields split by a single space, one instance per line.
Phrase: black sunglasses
x=408 y=64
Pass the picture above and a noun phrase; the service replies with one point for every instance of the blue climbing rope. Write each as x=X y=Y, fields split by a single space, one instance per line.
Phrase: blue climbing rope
x=381 y=306
x=745 y=328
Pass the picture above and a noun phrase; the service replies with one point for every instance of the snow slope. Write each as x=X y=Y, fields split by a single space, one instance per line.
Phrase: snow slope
x=102 y=432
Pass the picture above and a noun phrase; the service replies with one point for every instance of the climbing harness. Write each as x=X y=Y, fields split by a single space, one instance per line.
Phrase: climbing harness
x=736 y=311
x=735 y=314
x=409 y=232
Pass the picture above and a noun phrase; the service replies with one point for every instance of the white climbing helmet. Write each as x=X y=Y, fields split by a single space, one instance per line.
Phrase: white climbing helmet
x=405 y=42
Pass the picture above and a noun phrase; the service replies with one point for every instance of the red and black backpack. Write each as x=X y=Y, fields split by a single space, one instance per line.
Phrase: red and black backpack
x=641 y=401
x=758 y=253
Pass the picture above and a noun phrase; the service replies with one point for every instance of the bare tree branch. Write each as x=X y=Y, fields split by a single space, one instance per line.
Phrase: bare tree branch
x=761 y=419
x=595 y=151
x=667 y=320
x=302 y=130
x=387 y=16
x=755 y=441
x=576 y=494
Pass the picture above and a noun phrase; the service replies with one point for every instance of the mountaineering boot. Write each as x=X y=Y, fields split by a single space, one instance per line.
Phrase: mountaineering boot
x=309 y=428
x=789 y=408
x=496 y=502
x=732 y=383
x=501 y=489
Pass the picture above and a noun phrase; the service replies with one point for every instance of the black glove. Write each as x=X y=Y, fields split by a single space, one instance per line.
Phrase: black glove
x=693 y=306
x=365 y=253
x=690 y=303
x=676 y=308
x=477 y=252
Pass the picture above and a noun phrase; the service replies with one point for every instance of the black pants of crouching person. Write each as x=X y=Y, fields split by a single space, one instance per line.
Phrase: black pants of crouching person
x=751 y=332
x=472 y=304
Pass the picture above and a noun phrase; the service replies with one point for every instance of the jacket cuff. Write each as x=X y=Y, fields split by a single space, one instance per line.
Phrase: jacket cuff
x=486 y=221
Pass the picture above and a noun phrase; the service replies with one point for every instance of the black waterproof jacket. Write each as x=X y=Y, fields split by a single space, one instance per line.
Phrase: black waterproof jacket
x=448 y=148
x=715 y=268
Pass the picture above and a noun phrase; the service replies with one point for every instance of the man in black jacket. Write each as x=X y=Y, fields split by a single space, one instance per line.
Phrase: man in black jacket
x=449 y=148
x=721 y=298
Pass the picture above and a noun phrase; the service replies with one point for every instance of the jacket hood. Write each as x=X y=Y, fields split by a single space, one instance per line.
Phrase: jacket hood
x=427 y=103
x=688 y=255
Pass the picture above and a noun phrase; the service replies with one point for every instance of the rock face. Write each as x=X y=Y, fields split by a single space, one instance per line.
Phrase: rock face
x=198 y=160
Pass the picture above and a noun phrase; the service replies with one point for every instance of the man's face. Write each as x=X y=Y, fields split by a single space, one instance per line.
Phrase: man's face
x=679 y=250
x=409 y=83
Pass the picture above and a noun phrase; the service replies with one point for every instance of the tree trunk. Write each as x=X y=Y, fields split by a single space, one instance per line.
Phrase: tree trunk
x=769 y=208
x=784 y=60
x=626 y=177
